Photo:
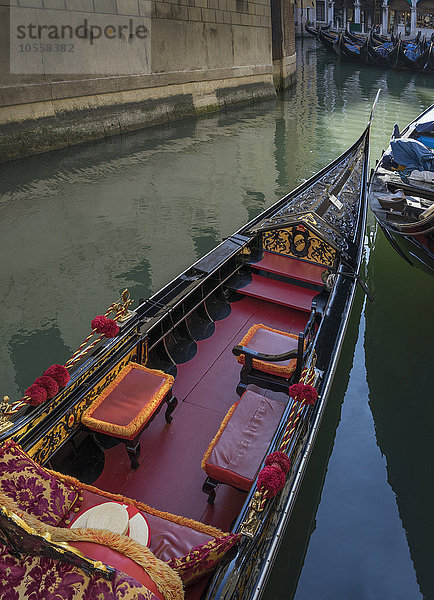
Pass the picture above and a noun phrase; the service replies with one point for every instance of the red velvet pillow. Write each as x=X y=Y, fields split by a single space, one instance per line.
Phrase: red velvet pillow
x=202 y=559
x=32 y=488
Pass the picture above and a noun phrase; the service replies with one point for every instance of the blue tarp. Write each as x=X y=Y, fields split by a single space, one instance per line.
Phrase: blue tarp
x=425 y=127
x=428 y=141
x=412 y=154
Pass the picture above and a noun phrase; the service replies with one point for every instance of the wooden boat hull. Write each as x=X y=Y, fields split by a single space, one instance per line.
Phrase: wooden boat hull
x=409 y=232
x=327 y=39
x=308 y=226
x=349 y=50
x=425 y=62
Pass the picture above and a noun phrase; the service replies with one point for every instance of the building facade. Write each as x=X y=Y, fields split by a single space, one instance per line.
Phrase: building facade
x=405 y=17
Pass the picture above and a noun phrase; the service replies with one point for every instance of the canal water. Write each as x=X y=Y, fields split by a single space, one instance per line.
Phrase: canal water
x=79 y=225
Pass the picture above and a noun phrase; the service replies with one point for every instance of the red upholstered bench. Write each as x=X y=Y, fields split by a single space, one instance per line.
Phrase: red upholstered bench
x=129 y=404
x=242 y=441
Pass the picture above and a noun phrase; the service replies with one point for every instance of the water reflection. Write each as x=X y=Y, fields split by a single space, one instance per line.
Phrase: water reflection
x=79 y=225
x=399 y=359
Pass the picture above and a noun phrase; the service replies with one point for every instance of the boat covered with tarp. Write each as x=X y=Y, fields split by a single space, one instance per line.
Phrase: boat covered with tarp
x=372 y=49
x=163 y=459
x=401 y=191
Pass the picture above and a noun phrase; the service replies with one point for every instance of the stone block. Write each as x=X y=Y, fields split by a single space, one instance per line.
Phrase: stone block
x=219 y=16
x=246 y=19
x=194 y=13
x=226 y=17
x=55 y=4
x=179 y=12
x=162 y=10
x=105 y=6
x=213 y=4
x=235 y=18
x=144 y=8
x=208 y=15
x=80 y=5
x=31 y=3
x=230 y=5
x=128 y=7
x=201 y=3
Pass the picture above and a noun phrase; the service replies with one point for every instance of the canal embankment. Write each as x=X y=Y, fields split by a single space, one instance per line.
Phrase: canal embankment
x=80 y=70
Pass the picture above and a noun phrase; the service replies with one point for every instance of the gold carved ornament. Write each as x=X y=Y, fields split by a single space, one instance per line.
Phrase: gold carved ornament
x=121 y=314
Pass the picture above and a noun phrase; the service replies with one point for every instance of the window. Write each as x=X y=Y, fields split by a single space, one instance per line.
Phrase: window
x=425 y=20
x=320 y=10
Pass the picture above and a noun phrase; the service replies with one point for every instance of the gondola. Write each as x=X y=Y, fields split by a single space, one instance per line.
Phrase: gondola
x=327 y=38
x=378 y=53
x=348 y=49
x=425 y=61
x=312 y=30
x=402 y=199
x=102 y=491
x=405 y=54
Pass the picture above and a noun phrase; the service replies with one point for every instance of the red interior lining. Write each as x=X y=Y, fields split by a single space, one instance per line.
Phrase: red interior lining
x=279 y=292
x=285 y=265
x=170 y=476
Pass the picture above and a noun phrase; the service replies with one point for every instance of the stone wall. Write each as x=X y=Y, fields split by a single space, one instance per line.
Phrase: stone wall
x=204 y=55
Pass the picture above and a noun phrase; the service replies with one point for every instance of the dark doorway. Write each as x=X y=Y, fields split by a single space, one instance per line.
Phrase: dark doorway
x=276 y=29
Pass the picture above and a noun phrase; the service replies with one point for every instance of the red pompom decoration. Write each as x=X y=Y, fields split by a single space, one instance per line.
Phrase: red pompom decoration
x=295 y=391
x=111 y=329
x=98 y=323
x=36 y=393
x=310 y=394
x=280 y=459
x=272 y=479
x=49 y=384
x=59 y=373
x=107 y=327
x=303 y=393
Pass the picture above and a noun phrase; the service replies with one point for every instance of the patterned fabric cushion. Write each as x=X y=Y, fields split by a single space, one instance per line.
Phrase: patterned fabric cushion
x=41 y=578
x=202 y=559
x=32 y=488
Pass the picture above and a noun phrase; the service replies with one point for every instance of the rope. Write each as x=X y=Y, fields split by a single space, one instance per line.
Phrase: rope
x=78 y=355
x=307 y=377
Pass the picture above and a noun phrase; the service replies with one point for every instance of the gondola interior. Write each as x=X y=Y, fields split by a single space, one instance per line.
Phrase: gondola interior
x=180 y=408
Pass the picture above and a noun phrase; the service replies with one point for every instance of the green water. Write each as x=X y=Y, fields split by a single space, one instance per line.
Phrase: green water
x=79 y=225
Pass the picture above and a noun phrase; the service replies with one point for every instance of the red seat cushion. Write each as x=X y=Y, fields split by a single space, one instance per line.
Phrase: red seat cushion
x=270 y=341
x=127 y=404
x=236 y=453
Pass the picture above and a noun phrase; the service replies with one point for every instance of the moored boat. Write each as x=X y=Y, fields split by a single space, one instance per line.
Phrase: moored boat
x=401 y=192
x=378 y=53
x=425 y=61
x=349 y=49
x=247 y=340
x=327 y=38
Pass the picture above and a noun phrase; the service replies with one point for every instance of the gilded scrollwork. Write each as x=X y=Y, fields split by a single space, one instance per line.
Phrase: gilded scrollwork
x=299 y=242
x=47 y=445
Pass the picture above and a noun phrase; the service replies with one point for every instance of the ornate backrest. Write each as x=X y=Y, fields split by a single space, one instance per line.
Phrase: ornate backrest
x=21 y=539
